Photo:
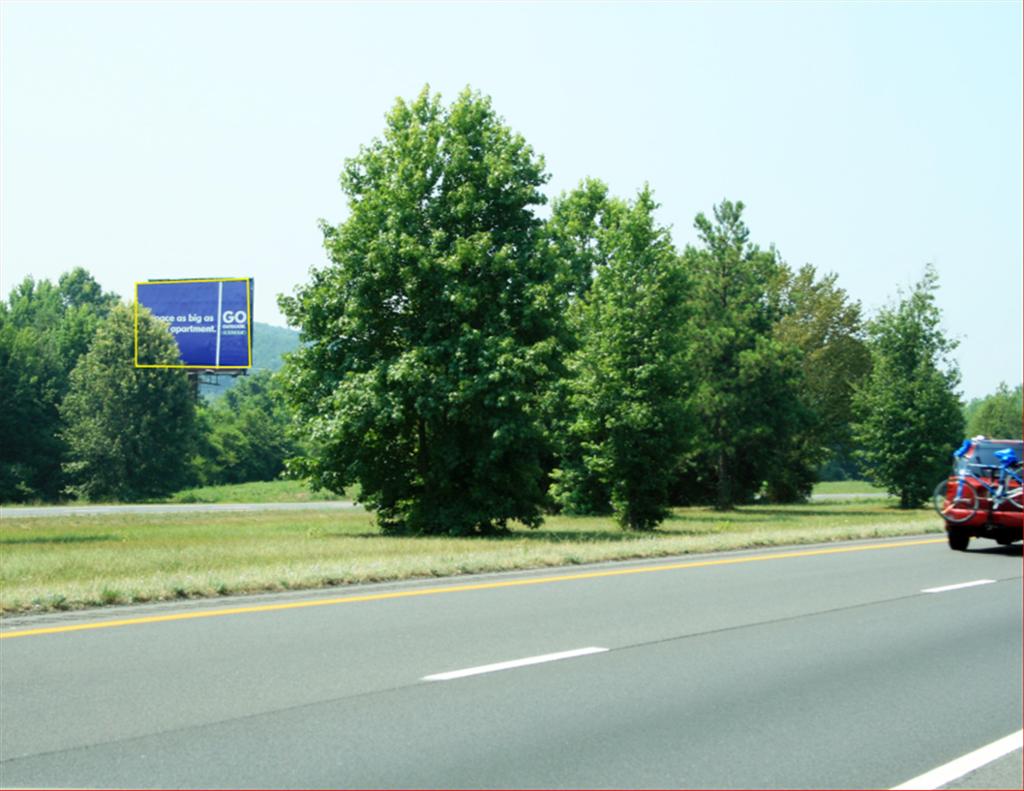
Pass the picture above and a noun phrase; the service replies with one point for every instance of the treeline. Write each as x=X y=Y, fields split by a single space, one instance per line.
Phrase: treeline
x=996 y=415
x=78 y=420
x=469 y=362
x=270 y=345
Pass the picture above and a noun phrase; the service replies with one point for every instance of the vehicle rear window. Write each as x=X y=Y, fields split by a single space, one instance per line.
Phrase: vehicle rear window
x=984 y=453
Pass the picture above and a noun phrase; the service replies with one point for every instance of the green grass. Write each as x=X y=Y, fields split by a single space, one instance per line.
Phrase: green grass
x=257 y=492
x=848 y=487
x=74 y=562
x=299 y=492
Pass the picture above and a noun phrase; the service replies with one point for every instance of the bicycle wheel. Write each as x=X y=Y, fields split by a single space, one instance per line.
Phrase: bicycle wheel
x=1015 y=498
x=955 y=502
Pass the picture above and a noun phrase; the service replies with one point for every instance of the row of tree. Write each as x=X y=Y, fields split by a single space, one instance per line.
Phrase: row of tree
x=78 y=419
x=469 y=363
x=997 y=414
x=45 y=329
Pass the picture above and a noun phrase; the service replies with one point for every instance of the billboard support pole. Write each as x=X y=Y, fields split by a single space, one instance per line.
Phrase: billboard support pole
x=193 y=384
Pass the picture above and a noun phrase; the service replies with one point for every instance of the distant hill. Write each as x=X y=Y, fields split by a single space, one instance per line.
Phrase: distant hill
x=269 y=345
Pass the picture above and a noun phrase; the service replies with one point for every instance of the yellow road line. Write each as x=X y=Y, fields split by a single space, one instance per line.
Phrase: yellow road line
x=184 y=616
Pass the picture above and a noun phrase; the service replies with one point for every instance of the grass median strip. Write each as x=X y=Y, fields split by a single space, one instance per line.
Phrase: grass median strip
x=77 y=562
x=355 y=598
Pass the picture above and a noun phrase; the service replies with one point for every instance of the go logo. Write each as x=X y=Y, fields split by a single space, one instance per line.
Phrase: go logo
x=234 y=317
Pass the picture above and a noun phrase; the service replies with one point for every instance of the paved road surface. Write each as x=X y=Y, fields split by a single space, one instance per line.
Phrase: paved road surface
x=797 y=668
x=171 y=508
x=824 y=498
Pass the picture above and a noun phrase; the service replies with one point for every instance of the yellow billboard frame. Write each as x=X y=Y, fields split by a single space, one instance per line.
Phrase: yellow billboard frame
x=248 y=323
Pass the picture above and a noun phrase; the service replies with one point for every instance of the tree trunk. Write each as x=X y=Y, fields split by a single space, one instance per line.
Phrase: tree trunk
x=723 y=501
x=421 y=455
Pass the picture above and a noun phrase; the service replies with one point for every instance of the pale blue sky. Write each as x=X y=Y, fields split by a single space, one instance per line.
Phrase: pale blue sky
x=193 y=139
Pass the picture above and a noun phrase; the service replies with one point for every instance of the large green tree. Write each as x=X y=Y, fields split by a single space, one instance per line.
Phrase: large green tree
x=430 y=337
x=129 y=431
x=626 y=387
x=246 y=434
x=909 y=416
x=819 y=320
x=578 y=219
x=997 y=415
x=45 y=328
x=746 y=380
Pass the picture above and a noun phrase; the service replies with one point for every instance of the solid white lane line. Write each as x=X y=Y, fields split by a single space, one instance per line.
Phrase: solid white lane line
x=530 y=660
x=945 y=588
x=947 y=773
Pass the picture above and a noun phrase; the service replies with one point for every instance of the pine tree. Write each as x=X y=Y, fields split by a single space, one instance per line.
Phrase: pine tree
x=746 y=380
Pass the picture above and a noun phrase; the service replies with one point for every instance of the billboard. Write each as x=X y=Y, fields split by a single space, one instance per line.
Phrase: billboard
x=211 y=319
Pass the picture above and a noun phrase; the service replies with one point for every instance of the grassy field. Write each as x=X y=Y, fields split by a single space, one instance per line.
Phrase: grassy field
x=299 y=492
x=254 y=492
x=74 y=562
x=848 y=487
x=257 y=492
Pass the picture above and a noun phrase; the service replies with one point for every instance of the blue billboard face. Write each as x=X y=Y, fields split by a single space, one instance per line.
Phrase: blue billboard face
x=210 y=319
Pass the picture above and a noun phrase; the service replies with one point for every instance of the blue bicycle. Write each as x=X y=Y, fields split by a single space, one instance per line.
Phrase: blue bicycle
x=958 y=500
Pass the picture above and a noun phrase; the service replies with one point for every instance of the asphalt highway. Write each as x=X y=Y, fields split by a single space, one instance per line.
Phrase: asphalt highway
x=854 y=665
x=169 y=508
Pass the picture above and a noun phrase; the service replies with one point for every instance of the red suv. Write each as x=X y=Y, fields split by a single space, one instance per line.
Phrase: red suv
x=983 y=494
